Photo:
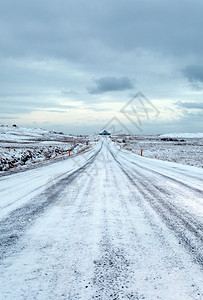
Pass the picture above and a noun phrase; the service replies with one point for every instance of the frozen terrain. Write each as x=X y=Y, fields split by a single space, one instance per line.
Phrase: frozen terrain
x=104 y=224
x=24 y=147
x=184 y=135
x=182 y=148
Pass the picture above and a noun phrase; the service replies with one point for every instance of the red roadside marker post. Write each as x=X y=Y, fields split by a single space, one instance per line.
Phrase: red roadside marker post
x=68 y=152
x=141 y=152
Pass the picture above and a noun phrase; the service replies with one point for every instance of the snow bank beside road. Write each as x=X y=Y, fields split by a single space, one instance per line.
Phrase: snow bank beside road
x=22 y=147
x=186 y=151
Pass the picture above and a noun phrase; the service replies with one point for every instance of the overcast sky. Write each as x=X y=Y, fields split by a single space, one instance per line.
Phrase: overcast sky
x=77 y=66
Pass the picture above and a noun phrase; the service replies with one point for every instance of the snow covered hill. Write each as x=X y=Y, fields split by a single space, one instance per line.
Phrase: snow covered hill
x=186 y=135
x=23 y=147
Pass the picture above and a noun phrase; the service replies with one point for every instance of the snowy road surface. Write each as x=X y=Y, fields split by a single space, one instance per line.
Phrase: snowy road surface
x=106 y=224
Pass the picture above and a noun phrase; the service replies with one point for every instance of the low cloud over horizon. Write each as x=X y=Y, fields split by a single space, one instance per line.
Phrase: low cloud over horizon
x=110 y=84
x=73 y=65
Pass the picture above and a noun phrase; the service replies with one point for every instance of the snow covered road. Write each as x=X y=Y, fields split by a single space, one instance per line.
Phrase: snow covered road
x=105 y=224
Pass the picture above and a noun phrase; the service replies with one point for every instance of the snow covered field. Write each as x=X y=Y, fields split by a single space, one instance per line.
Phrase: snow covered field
x=23 y=147
x=104 y=224
x=182 y=148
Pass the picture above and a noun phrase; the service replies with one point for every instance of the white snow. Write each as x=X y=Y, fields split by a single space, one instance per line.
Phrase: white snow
x=183 y=135
x=187 y=151
x=24 y=147
x=104 y=224
x=10 y=133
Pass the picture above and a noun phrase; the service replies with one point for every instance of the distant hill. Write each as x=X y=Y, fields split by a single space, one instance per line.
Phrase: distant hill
x=183 y=135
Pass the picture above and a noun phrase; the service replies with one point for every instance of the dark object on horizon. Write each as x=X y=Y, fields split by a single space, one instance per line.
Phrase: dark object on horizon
x=169 y=139
x=172 y=140
x=104 y=132
x=14 y=125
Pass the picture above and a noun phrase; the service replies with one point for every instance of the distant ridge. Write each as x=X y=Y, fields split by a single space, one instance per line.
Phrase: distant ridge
x=184 y=135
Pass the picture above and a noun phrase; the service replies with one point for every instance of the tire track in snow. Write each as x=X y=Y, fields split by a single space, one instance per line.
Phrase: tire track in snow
x=121 y=246
x=112 y=268
x=13 y=227
x=112 y=273
x=161 y=176
x=184 y=226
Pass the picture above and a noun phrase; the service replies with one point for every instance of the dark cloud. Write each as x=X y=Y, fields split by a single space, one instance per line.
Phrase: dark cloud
x=111 y=84
x=87 y=32
x=190 y=105
x=194 y=73
x=71 y=29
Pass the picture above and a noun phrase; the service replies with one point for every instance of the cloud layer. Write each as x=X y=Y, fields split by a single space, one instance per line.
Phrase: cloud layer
x=109 y=84
x=190 y=105
x=58 y=56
